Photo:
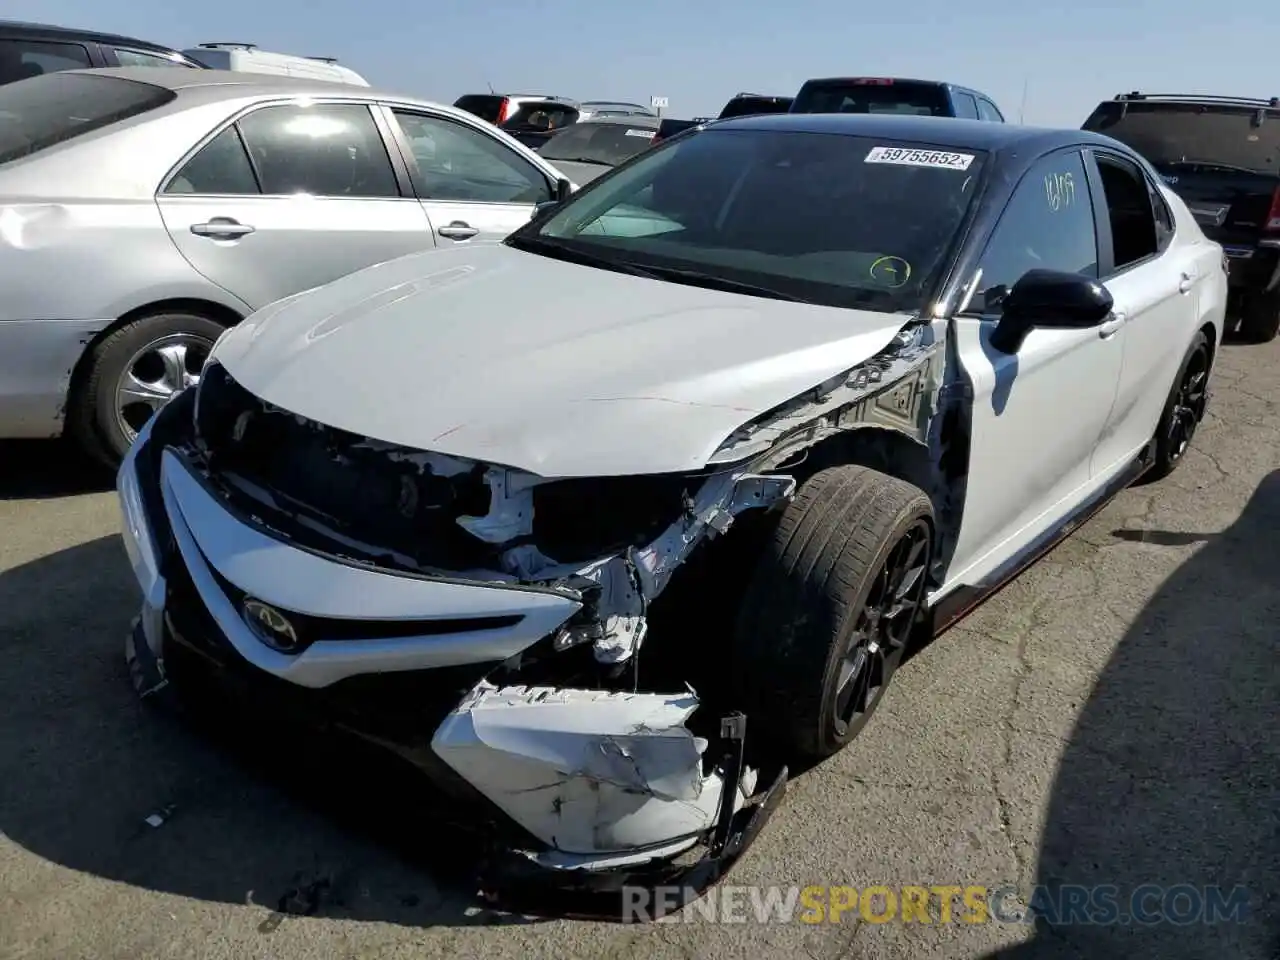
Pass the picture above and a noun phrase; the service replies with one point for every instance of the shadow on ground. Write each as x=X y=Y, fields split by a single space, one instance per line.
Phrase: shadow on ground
x=1172 y=775
x=45 y=469
x=260 y=819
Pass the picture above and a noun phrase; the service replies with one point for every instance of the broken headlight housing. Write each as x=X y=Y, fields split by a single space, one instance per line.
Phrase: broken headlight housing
x=583 y=519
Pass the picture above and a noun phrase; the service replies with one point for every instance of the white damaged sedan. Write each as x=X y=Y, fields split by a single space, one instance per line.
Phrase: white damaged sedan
x=609 y=525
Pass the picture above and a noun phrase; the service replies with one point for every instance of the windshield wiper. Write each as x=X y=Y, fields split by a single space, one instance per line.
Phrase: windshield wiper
x=561 y=251
x=599 y=163
x=696 y=278
x=1210 y=165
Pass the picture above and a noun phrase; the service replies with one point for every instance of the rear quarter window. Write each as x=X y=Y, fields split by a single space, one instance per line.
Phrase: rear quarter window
x=45 y=111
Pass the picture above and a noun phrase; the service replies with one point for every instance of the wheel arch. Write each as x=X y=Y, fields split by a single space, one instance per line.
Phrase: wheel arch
x=217 y=312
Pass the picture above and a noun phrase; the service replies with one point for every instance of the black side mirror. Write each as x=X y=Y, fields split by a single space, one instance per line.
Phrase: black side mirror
x=564 y=188
x=1051 y=299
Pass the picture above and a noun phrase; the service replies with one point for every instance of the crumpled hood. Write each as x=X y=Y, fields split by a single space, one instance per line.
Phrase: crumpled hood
x=493 y=354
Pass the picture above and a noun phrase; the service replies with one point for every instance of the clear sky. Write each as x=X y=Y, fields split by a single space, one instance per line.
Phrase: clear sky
x=698 y=53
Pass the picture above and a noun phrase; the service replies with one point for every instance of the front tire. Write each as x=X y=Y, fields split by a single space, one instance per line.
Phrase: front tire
x=831 y=608
x=132 y=372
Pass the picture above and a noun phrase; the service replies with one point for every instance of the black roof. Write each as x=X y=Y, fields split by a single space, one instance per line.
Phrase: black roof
x=938 y=131
x=50 y=32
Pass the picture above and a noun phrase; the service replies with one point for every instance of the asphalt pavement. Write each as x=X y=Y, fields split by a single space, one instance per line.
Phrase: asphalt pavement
x=1107 y=721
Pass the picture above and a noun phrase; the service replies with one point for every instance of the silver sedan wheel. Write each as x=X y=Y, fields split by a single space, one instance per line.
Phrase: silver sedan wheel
x=155 y=374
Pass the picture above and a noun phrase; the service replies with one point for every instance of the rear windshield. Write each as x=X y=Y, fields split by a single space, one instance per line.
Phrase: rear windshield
x=487 y=107
x=872 y=96
x=1182 y=134
x=750 y=106
x=603 y=143
x=540 y=115
x=38 y=113
x=841 y=221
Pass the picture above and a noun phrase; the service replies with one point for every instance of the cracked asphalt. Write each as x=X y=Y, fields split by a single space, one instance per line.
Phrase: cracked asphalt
x=1109 y=718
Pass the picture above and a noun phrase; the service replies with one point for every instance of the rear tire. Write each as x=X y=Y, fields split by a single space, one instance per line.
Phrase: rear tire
x=1260 y=318
x=163 y=351
x=817 y=639
x=1183 y=410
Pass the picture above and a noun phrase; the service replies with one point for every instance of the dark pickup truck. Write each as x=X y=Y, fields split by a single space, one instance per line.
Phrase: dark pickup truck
x=742 y=105
x=1222 y=156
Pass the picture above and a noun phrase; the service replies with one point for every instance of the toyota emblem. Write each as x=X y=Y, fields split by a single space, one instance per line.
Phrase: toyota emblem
x=271 y=626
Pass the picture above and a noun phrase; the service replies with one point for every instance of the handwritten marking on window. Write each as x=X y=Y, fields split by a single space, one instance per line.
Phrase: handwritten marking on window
x=1059 y=191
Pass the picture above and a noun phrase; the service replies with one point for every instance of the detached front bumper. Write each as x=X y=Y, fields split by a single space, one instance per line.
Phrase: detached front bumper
x=585 y=795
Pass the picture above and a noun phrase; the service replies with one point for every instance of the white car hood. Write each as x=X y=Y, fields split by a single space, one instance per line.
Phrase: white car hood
x=493 y=354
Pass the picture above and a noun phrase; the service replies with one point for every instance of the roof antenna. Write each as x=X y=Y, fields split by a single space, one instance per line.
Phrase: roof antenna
x=491 y=90
x=1022 y=107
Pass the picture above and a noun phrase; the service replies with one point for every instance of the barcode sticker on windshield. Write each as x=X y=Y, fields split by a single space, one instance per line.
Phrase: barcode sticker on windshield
x=920 y=158
x=647 y=134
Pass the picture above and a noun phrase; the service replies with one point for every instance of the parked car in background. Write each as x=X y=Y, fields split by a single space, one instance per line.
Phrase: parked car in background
x=31 y=49
x=246 y=57
x=498 y=108
x=1222 y=155
x=590 y=148
x=754 y=104
x=533 y=122
x=612 y=108
x=740 y=105
x=170 y=203
x=930 y=98
x=825 y=382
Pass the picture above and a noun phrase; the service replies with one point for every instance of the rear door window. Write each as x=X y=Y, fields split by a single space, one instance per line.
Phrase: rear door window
x=325 y=150
x=1180 y=135
x=58 y=107
x=872 y=95
x=23 y=59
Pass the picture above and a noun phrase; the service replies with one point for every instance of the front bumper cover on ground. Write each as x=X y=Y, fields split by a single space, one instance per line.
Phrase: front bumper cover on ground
x=401 y=710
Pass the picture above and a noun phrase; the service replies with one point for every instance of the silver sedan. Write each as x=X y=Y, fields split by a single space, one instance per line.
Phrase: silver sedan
x=144 y=211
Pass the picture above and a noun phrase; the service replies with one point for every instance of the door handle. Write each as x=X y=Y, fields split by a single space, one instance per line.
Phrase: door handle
x=1111 y=325
x=1185 y=283
x=458 y=231
x=222 y=228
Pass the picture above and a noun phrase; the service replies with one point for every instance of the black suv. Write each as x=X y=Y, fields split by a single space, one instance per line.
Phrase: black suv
x=894 y=95
x=30 y=49
x=1222 y=156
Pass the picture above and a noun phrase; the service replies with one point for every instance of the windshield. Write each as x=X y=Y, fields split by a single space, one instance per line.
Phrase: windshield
x=835 y=220
x=872 y=96
x=604 y=143
x=1173 y=134
x=44 y=111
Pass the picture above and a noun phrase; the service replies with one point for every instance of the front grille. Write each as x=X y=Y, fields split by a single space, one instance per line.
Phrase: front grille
x=400 y=706
x=340 y=480
x=311 y=628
